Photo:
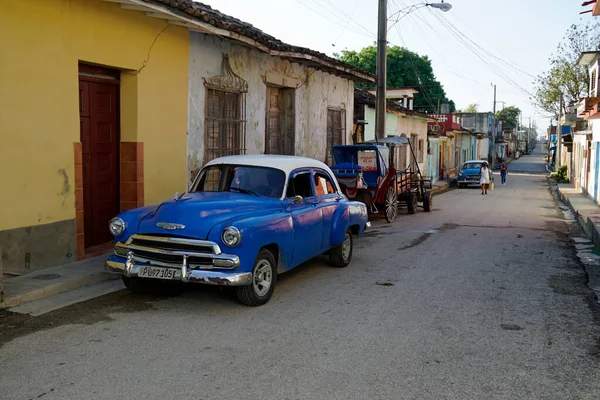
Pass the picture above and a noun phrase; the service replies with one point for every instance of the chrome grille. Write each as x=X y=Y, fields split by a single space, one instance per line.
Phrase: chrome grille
x=174 y=243
x=171 y=251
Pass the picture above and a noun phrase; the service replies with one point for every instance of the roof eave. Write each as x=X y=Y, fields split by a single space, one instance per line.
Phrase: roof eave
x=177 y=18
x=586 y=58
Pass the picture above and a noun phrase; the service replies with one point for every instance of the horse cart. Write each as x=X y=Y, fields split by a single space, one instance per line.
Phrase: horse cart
x=367 y=172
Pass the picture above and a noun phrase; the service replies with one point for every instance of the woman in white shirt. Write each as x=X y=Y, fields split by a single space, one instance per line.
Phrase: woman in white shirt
x=485 y=177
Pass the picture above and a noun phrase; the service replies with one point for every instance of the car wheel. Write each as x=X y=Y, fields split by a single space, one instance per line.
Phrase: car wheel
x=391 y=204
x=341 y=255
x=264 y=277
x=427 y=201
x=411 y=203
x=153 y=286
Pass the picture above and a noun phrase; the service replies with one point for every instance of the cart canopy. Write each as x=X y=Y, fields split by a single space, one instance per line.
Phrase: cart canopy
x=393 y=140
x=372 y=160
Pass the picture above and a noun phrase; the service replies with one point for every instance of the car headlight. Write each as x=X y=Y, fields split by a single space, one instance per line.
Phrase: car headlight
x=231 y=236
x=460 y=174
x=117 y=226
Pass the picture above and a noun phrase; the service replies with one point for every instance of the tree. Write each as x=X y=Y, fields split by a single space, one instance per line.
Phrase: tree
x=471 y=108
x=564 y=75
x=510 y=116
x=404 y=69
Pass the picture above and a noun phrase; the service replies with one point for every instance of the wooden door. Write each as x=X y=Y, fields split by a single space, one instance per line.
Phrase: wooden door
x=441 y=162
x=335 y=131
x=288 y=125
x=274 y=143
x=100 y=150
x=280 y=135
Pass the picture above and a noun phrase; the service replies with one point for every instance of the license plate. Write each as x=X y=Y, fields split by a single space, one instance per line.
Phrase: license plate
x=157 y=273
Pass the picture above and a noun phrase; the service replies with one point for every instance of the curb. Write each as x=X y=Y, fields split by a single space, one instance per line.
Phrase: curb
x=440 y=189
x=591 y=229
x=57 y=288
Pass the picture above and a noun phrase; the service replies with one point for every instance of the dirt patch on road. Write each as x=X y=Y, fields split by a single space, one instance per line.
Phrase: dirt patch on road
x=14 y=325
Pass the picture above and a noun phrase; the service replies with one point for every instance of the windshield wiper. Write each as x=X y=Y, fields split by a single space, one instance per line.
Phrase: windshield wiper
x=246 y=191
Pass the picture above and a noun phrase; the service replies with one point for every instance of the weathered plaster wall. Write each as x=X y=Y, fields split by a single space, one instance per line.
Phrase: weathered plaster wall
x=415 y=126
x=391 y=124
x=483 y=148
x=313 y=97
x=397 y=125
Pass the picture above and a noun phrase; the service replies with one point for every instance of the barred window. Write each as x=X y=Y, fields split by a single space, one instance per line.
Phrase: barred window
x=225 y=118
x=420 y=151
x=224 y=127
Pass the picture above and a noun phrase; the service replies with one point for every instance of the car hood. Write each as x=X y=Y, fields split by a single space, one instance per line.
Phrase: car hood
x=195 y=214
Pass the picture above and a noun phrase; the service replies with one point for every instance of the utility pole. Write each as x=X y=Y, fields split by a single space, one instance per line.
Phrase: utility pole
x=527 y=143
x=559 y=132
x=494 y=131
x=380 y=108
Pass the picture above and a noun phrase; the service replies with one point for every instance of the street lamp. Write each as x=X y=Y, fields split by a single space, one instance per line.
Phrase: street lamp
x=382 y=30
x=445 y=7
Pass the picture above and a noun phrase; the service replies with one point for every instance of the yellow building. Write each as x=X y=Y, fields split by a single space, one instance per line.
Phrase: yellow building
x=93 y=120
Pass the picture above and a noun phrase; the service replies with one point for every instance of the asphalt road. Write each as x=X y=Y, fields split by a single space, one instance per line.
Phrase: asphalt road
x=483 y=298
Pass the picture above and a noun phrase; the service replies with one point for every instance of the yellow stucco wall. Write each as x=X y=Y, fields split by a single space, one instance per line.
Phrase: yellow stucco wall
x=42 y=42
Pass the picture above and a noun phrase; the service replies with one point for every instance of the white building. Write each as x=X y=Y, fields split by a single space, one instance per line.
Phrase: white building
x=245 y=97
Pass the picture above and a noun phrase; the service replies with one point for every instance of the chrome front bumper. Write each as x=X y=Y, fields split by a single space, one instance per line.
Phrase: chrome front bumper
x=210 y=277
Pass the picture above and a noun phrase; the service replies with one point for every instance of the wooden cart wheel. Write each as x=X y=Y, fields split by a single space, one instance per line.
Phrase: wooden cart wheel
x=411 y=203
x=391 y=204
x=427 y=201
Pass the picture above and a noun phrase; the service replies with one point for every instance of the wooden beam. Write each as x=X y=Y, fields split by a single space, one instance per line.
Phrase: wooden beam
x=134 y=7
x=159 y=15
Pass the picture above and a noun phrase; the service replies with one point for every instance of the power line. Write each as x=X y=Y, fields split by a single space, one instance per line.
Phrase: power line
x=368 y=34
x=454 y=31
x=346 y=17
x=347 y=22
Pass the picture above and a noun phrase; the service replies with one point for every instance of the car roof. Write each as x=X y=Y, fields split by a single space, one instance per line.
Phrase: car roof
x=475 y=161
x=284 y=163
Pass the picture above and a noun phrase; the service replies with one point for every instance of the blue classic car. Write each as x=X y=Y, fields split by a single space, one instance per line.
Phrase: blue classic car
x=245 y=220
x=469 y=173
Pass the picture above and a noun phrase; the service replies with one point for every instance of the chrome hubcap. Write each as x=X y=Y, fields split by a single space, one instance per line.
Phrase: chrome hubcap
x=346 y=247
x=391 y=204
x=263 y=278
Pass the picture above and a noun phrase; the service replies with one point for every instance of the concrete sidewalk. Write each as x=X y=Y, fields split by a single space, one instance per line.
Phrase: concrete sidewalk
x=440 y=187
x=52 y=288
x=586 y=211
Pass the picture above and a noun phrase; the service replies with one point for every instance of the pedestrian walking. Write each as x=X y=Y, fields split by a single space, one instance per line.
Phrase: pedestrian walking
x=503 y=172
x=485 y=177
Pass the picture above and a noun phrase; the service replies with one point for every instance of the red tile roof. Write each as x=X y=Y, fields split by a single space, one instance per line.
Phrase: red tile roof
x=209 y=15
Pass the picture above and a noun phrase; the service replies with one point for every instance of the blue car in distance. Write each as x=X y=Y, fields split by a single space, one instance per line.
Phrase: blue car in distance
x=470 y=173
x=244 y=220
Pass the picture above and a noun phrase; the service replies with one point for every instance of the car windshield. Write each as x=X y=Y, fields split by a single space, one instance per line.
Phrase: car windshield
x=472 y=165
x=251 y=180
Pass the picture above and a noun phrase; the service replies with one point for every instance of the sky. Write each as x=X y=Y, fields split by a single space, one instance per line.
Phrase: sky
x=474 y=45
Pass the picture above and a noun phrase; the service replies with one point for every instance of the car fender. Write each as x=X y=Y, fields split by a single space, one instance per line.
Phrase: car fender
x=348 y=214
x=132 y=220
x=258 y=232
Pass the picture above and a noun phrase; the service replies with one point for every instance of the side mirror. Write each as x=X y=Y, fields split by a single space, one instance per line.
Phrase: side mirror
x=298 y=200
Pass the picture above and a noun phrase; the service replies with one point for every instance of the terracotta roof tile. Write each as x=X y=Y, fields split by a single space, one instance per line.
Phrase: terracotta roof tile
x=209 y=15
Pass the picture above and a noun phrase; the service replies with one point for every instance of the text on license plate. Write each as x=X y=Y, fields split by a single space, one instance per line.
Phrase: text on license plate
x=157 y=272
